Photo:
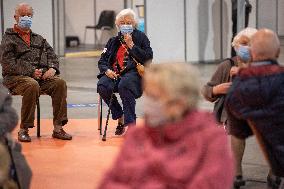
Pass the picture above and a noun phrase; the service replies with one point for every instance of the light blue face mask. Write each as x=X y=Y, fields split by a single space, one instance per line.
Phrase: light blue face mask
x=25 y=22
x=126 y=29
x=243 y=53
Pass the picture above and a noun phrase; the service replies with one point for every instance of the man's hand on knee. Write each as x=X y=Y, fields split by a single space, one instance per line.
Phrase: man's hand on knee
x=38 y=73
x=49 y=73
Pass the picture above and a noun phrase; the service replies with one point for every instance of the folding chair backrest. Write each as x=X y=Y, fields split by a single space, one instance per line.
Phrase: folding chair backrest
x=106 y=19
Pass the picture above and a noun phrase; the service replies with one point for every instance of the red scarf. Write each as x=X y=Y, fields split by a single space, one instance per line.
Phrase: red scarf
x=26 y=36
x=120 y=55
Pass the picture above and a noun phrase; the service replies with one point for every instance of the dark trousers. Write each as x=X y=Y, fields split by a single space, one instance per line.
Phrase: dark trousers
x=127 y=98
x=30 y=89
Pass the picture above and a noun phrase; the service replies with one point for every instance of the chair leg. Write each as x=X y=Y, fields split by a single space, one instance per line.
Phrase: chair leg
x=38 y=117
x=85 y=36
x=96 y=39
x=100 y=114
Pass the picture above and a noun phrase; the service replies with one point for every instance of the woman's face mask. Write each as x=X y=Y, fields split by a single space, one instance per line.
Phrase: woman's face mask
x=154 y=112
x=126 y=29
x=243 y=53
x=25 y=22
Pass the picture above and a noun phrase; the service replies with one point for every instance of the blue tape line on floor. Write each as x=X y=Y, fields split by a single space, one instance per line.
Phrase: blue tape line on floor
x=89 y=105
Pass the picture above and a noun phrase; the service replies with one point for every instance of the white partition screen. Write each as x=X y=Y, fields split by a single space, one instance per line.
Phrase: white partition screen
x=267 y=14
x=281 y=17
x=165 y=28
x=203 y=22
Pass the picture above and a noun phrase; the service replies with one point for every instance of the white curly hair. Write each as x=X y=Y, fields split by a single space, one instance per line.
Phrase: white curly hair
x=126 y=13
x=247 y=32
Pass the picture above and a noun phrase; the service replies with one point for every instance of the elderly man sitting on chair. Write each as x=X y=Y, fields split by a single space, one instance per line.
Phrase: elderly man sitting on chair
x=30 y=67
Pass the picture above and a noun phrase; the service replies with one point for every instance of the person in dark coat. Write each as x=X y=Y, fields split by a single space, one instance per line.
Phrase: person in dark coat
x=19 y=173
x=30 y=67
x=257 y=95
x=118 y=71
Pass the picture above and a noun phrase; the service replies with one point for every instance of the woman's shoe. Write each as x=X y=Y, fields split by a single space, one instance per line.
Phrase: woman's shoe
x=238 y=182
x=120 y=129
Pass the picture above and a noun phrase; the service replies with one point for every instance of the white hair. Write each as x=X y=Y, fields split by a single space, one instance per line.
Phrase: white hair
x=23 y=5
x=178 y=80
x=126 y=13
x=247 y=32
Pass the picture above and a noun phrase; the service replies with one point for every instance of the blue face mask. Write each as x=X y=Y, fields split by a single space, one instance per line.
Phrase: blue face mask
x=243 y=53
x=126 y=29
x=25 y=22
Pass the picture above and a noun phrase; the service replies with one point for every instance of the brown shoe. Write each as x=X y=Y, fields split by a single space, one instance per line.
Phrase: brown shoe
x=23 y=136
x=61 y=135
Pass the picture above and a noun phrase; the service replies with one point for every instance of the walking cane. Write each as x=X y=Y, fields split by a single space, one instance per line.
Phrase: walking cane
x=108 y=112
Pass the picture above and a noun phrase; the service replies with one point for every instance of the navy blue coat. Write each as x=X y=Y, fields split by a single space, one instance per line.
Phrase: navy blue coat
x=257 y=95
x=141 y=51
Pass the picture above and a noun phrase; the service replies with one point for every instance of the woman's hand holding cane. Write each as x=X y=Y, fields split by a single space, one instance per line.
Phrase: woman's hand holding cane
x=111 y=74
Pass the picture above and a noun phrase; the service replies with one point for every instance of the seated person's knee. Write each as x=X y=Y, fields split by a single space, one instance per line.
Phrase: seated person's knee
x=33 y=86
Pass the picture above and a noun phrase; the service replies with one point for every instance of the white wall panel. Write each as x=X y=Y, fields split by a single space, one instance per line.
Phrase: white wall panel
x=281 y=17
x=59 y=27
x=252 y=16
x=165 y=29
x=1 y=19
x=79 y=14
x=203 y=30
x=116 y=5
x=42 y=20
x=227 y=28
x=267 y=14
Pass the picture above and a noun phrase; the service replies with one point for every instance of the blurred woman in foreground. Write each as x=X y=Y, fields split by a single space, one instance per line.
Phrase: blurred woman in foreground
x=178 y=146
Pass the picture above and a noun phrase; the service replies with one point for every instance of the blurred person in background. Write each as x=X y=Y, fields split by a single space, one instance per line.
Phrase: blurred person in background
x=178 y=146
x=216 y=89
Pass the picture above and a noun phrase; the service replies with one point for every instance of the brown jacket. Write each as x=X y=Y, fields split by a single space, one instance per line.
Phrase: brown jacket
x=17 y=58
x=221 y=75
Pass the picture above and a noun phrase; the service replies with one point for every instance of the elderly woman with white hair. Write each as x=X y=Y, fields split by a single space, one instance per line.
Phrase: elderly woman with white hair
x=178 y=146
x=118 y=72
x=216 y=89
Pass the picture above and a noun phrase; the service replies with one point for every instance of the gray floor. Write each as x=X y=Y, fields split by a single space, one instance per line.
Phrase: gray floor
x=80 y=74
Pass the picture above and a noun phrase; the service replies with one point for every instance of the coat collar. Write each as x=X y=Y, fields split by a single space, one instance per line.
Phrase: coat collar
x=10 y=31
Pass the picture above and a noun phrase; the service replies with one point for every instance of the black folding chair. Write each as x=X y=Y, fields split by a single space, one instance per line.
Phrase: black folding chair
x=106 y=23
x=37 y=114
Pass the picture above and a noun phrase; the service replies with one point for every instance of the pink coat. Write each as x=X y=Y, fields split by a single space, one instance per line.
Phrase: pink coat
x=190 y=154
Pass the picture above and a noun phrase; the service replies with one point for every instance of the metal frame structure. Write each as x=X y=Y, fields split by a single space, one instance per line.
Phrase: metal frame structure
x=2 y=16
